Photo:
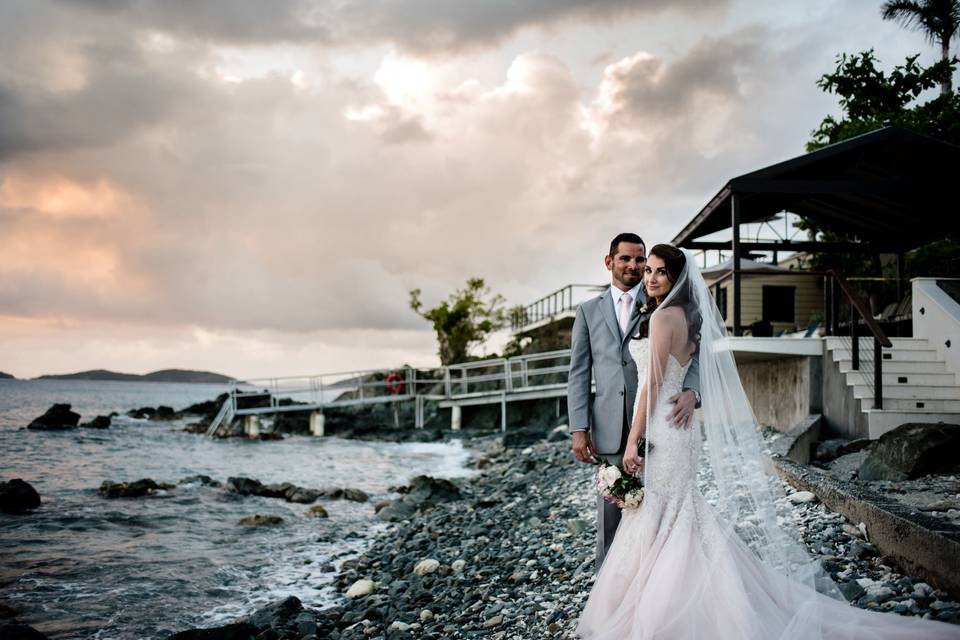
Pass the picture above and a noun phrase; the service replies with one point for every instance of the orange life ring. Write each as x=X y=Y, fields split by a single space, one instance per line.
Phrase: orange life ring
x=395 y=383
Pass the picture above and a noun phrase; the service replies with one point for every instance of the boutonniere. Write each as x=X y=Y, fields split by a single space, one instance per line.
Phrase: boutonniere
x=641 y=307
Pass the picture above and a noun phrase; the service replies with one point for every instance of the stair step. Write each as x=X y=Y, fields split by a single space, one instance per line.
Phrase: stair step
x=899 y=366
x=880 y=422
x=899 y=379
x=911 y=405
x=910 y=391
x=898 y=343
x=889 y=355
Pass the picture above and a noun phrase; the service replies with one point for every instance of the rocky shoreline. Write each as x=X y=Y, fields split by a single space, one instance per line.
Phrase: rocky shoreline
x=510 y=554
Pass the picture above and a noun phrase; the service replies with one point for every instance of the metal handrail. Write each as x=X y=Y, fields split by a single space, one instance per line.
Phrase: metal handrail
x=857 y=308
x=550 y=305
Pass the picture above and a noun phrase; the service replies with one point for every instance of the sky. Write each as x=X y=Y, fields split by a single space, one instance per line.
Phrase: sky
x=253 y=188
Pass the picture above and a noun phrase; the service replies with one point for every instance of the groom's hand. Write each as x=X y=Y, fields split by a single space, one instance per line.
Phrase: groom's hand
x=582 y=446
x=683 y=405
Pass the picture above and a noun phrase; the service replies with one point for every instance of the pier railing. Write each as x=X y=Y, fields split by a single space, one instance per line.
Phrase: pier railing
x=529 y=375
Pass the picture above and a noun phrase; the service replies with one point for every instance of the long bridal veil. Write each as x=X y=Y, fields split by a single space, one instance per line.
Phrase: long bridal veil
x=741 y=489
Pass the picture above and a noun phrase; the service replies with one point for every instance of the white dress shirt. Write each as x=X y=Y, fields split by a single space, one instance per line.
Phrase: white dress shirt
x=616 y=294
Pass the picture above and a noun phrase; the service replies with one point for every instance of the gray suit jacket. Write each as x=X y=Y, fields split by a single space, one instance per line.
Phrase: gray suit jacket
x=598 y=346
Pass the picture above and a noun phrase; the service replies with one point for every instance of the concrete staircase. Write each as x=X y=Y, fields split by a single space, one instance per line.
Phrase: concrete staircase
x=918 y=386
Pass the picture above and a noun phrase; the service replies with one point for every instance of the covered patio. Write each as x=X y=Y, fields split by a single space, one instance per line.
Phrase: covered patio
x=890 y=189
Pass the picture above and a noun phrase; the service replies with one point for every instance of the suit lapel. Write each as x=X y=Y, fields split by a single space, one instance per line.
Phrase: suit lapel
x=606 y=309
x=635 y=317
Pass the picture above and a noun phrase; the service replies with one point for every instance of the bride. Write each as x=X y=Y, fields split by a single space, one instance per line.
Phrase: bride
x=680 y=567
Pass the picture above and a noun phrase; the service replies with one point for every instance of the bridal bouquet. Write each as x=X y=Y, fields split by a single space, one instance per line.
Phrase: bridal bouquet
x=618 y=487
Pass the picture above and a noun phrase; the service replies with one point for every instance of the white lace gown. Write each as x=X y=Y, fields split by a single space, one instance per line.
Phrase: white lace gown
x=673 y=572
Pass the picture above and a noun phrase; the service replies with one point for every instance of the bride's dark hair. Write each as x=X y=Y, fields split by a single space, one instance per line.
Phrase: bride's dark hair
x=674 y=262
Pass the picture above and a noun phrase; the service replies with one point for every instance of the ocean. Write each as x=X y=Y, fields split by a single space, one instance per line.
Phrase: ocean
x=84 y=566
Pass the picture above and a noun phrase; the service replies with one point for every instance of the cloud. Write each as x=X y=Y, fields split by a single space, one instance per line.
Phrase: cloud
x=427 y=27
x=423 y=27
x=149 y=180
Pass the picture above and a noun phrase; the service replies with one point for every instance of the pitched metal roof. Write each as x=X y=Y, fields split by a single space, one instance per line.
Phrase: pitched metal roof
x=889 y=186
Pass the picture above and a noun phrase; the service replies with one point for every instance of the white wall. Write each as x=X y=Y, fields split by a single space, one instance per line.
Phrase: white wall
x=939 y=322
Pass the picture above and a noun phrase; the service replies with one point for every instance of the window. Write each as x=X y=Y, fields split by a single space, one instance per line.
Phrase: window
x=721 y=295
x=779 y=304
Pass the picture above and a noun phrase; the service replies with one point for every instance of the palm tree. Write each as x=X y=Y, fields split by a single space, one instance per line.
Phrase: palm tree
x=939 y=19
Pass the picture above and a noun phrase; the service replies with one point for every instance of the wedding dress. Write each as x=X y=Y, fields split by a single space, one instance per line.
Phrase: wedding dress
x=678 y=570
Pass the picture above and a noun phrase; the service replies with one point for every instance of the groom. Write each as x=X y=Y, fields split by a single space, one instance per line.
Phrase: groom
x=601 y=334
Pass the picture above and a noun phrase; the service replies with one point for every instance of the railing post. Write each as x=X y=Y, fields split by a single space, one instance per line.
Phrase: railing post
x=447 y=385
x=877 y=375
x=508 y=372
x=854 y=339
x=503 y=412
x=834 y=308
x=827 y=307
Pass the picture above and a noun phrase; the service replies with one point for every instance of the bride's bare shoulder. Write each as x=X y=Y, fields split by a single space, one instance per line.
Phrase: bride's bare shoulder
x=668 y=316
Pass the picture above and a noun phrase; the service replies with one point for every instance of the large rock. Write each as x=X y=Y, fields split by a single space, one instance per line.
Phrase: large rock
x=17 y=496
x=348 y=493
x=261 y=521
x=277 y=615
x=20 y=632
x=143 y=413
x=236 y=631
x=100 y=422
x=139 y=488
x=57 y=418
x=164 y=413
x=284 y=619
x=424 y=489
x=913 y=450
x=245 y=486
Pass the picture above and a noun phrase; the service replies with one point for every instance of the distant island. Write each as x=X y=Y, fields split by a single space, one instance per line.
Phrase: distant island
x=165 y=375
x=6 y=376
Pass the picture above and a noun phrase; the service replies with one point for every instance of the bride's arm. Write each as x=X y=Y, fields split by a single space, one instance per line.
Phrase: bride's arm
x=661 y=339
x=639 y=426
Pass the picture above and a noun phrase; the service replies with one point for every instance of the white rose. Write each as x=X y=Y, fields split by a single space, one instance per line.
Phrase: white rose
x=634 y=498
x=610 y=475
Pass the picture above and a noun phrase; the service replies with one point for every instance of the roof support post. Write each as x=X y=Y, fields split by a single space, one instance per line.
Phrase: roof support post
x=735 y=225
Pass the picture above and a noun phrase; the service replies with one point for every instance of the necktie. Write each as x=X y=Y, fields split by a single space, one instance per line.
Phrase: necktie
x=626 y=310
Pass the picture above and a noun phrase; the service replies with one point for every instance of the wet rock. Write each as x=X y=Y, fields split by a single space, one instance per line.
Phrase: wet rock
x=912 y=450
x=347 y=493
x=300 y=495
x=201 y=479
x=278 y=615
x=801 y=496
x=18 y=496
x=143 y=413
x=163 y=413
x=434 y=490
x=136 y=489
x=318 y=511
x=245 y=486
x=100 y=422
x=57 y=418
x=235 y=631
x=20 y=632
x=261 y=521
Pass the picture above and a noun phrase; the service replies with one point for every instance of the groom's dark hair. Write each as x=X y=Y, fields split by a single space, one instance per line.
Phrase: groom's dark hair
x=624 y=237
